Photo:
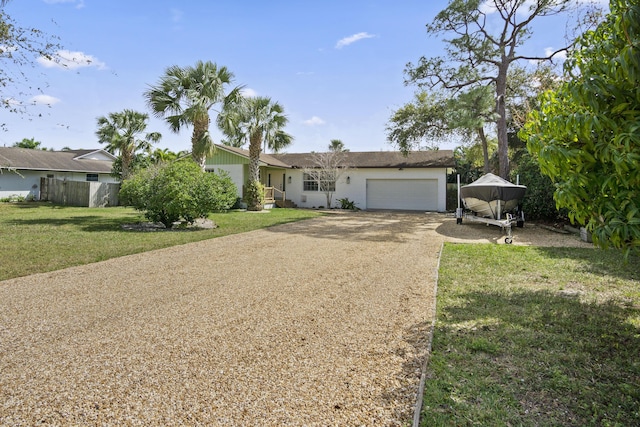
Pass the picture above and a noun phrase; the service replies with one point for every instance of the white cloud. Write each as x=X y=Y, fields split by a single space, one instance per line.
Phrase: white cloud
x=71 y=60
x=79 y=3
x=352 y=39
x=44 y=100
x=249 y=93
x=314 y=121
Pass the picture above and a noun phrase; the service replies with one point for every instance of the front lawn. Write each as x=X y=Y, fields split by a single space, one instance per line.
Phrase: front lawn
x=39 y=237
x=532 y=336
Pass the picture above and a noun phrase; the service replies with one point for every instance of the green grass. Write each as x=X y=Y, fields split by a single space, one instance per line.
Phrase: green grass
x=531 y=336
x=39 y=237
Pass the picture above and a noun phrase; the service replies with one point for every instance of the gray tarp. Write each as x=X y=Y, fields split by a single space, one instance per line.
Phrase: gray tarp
x=490 y=187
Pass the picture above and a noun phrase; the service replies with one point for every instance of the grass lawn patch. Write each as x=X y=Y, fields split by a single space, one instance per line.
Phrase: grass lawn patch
x=39 y=237
x=532 y=336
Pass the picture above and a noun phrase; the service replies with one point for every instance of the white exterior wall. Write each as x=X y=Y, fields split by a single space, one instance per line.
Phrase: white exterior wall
x=27 y=184
x=236 y=173
x=356 y=190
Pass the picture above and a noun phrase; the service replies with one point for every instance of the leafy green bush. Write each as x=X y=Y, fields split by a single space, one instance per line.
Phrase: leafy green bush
x=348 y=204
x=178 y=191
x=538 y=202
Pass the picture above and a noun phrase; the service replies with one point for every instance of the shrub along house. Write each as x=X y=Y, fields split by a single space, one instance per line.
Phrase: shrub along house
x=373 y=180
x=25 y=170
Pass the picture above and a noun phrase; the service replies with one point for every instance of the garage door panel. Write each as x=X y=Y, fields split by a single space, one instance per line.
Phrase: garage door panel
x=404 y=194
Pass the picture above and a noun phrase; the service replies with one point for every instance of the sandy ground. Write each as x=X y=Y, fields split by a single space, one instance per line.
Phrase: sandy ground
x=319 y=323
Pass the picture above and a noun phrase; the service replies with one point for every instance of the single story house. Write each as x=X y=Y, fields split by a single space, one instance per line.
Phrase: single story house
x=32 y=165
x=373 y=180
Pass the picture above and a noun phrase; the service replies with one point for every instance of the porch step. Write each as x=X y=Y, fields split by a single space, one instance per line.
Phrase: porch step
x=285 y=204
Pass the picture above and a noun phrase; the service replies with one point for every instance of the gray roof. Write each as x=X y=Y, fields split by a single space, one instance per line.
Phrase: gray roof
x=60 y=161
x=364 y=159
x=378 y=159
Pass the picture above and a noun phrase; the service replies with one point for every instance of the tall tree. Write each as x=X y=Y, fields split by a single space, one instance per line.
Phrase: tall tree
x=184 y=96
x=124 y=134
x=337 y=145
x=586 y=134
x=258 y=121
x=20 y=47
x=486 y=38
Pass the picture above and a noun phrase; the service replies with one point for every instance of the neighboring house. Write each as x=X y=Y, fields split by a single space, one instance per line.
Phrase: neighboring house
x=375 y=180
x=22 y=169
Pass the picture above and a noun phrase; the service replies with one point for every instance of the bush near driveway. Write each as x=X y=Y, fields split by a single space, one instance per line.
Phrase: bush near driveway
x=179 y=190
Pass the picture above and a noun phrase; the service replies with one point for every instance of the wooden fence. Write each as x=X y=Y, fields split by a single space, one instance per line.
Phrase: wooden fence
x=79 y=193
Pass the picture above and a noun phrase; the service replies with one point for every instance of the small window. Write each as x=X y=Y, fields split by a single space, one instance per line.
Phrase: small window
x=50 y=175
x=309 y=183
x=92 y=177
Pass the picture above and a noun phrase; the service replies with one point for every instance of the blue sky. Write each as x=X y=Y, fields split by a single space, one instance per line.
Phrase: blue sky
x=335 y=65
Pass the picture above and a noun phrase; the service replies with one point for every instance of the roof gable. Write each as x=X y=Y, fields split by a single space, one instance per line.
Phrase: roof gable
x=225 y=154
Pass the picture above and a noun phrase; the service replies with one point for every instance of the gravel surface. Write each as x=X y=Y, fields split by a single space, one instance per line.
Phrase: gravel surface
x=322 y=322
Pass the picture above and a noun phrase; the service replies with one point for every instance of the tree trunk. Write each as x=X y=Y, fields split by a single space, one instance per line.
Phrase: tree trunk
x=501 y=109
x=255 y=145
x=200 y=145
x=485 y=148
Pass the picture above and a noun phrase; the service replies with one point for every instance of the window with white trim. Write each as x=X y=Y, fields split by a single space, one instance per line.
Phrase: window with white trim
x=319 y=181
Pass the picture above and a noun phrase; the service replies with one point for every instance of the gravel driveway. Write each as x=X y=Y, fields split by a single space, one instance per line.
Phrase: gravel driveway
x=322 y=322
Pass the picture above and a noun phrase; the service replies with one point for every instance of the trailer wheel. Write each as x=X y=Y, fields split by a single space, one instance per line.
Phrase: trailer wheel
x=458 y=220
x=508 y=240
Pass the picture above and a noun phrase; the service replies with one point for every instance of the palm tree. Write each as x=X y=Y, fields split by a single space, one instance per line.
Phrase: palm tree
x=120 y=131
x=256 y=120
x=184 y=96
x=337 y=146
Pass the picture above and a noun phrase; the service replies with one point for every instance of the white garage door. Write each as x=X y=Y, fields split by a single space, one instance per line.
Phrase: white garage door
x=402 y=194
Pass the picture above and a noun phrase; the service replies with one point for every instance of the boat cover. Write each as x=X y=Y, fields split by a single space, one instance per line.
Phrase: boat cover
x=490 y=187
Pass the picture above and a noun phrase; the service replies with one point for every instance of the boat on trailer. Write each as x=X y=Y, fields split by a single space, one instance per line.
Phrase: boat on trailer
x=492 y=200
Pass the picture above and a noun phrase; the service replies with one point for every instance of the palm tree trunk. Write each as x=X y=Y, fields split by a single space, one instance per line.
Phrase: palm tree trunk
x=200 y=141
x=254 y=202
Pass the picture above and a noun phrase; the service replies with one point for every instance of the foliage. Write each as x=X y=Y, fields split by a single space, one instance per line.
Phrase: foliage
x=179 y=190
x=587 y=133
x=256 y=120
x=345 y=203
x=184 y=96
x=40 y=237
x=20 y=47
x=538 y=202
x=337 y=145
x=254 y=195
x=120 y=131
x=484 y=40
x=13 y=199
x=553 y=341
x=29 y=143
